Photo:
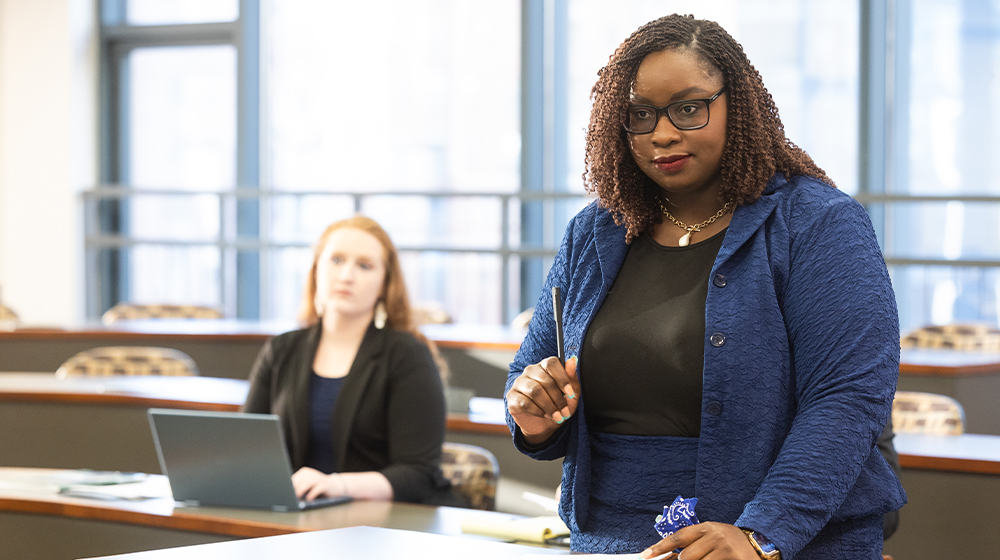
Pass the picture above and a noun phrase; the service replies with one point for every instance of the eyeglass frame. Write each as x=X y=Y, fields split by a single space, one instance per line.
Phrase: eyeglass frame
x=665 y=111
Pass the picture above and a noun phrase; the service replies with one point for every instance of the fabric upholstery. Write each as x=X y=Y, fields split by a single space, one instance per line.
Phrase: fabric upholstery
x=927 y=413
x=974 y=337
x=128 y=360
x=473 y=472
x=6 y=314
x=126 y=311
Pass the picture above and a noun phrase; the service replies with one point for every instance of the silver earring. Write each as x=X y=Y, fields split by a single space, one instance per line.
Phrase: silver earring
x=318 y=306
x=380 y=315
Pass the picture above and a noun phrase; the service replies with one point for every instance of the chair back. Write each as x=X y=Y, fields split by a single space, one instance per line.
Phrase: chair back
x=6 y=314
x=128 y=360
x=8 y=319
x=927 y=413
x=958 y=336
x=473 y=472
x=126 y=311
x=523 y=319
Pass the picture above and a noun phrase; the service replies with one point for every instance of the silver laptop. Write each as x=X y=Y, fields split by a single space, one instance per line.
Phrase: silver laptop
x=230 y=459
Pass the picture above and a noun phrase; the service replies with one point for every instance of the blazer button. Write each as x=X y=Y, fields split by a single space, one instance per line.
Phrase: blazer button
x=719 y=280
x=717 y=339
x=714 y=408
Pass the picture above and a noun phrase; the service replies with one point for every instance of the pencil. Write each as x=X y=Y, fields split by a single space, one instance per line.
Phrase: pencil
x=557 y=311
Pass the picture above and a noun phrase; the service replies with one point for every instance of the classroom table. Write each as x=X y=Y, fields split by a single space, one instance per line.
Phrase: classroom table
x=953 y=486
x=353 y=543
x=100 y=423
x=32 y=513
x=478 y=354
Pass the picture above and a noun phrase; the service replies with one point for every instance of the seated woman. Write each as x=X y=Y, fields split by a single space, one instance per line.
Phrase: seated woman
x=358 y=390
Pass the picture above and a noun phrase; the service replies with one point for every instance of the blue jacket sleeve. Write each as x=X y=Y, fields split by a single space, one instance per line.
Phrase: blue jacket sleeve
x=843 y=332
x=540 y=343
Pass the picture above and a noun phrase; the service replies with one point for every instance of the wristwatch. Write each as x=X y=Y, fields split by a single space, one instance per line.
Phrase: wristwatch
x=765 y=548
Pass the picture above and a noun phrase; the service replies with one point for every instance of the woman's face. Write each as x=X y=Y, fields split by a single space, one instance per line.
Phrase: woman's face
x=680 y=161
x=349 y=273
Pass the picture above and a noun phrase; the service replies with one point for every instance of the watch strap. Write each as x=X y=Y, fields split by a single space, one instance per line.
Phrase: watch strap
x=764 y=548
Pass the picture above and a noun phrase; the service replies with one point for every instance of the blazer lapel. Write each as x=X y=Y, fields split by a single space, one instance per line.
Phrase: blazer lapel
x=345 y=411
x=748 y=219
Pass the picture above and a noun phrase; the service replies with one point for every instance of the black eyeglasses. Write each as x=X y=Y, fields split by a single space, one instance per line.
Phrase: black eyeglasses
x=690 y=114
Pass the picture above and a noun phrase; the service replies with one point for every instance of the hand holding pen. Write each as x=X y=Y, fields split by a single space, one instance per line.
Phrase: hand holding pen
x=546 y=394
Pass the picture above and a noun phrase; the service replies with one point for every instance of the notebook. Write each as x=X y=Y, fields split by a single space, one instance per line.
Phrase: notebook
x=229 y=459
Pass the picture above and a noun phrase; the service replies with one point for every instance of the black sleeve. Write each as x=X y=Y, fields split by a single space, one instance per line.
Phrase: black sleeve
x=891 y=520
x=259 y=395
x=416 y=423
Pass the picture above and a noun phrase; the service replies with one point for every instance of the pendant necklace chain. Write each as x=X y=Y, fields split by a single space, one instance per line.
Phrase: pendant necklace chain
x=685 y=239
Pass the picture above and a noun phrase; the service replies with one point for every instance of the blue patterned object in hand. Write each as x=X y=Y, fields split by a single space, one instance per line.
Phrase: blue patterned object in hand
x=675 y=516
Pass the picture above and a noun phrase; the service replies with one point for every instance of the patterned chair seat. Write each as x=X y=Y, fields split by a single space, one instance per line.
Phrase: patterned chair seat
x=971 y=336
x=473 y=472
x=128 y=311
x=8 y=319
x=128 y=360
x=927 y=413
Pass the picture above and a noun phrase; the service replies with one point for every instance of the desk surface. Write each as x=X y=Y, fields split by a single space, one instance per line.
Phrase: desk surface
x=948 y=362
x=31 y=491
x=191 y=393
x=459 y=336
x=489 y=337
x=354 y=543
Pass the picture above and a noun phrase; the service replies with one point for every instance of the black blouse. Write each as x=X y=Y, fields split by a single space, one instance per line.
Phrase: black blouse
x=642 y=358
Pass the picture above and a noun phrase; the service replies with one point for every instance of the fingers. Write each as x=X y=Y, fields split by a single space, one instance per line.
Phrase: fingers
x=662 y=549
x=545 y=390
x=707 y=541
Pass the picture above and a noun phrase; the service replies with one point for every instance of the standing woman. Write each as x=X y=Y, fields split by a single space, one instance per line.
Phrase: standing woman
x=357 y=390
x=733 y=317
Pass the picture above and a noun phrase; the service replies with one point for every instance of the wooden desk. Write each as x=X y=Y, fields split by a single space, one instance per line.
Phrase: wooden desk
x=953 y=487
x=354 y=543
x=478 y=354
x=100 y=423
x=31 y=515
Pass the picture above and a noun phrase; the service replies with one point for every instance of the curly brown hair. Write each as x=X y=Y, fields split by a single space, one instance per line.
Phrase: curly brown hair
x=756 y=146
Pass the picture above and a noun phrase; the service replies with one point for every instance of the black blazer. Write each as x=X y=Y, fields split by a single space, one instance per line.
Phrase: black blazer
x=389 y=416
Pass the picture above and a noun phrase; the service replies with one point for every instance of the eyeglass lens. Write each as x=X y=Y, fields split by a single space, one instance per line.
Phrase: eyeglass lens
x=685 y=115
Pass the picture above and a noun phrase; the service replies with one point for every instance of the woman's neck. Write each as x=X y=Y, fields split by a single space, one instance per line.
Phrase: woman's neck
x=339 y=343
x=346 y=327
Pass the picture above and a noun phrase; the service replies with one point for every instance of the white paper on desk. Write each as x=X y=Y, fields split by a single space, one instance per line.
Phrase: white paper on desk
x=151 y=488
x=525 y=529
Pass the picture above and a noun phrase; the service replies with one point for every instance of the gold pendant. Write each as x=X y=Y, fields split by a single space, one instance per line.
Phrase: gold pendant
x=685 y=239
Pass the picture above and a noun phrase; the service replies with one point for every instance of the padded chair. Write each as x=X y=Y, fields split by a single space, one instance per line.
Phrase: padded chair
x=523 y=319
x=128 y=360
x=8 y=319
x=430 y=314
x=126 y=311
x=6 y=314
x=473 y=472
x=958 y=336
x=927 y=413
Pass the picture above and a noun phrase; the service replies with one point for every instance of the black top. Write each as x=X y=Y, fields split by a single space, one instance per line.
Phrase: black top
x=643 y=356
x=323 y=393
x=389 y=416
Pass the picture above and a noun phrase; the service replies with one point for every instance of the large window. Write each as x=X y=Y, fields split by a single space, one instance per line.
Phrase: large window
x=236 y=130
x=942 y=196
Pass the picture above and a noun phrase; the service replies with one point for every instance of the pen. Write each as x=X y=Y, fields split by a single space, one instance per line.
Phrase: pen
x=557 y=311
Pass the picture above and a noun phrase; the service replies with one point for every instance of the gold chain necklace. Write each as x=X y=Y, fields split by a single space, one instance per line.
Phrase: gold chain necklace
x=686 y=238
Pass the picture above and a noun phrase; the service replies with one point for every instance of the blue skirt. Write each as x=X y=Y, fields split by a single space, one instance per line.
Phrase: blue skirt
x=627 y=494
x=633 y=477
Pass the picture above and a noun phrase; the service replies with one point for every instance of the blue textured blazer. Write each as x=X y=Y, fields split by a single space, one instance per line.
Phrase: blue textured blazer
x=801 y=360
